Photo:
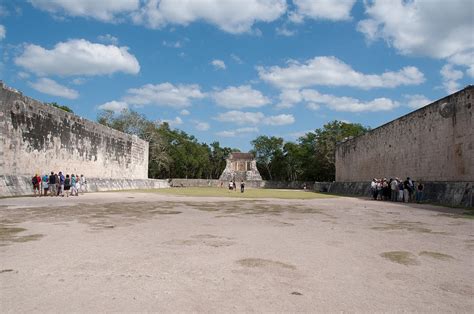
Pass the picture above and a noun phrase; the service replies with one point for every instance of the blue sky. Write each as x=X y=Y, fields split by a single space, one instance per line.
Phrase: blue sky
x=230 y=70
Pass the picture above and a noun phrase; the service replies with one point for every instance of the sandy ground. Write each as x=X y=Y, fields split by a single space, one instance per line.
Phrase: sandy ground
x=147 y=252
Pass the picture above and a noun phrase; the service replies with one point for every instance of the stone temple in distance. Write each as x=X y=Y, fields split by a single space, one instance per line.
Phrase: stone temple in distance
x=241 y=167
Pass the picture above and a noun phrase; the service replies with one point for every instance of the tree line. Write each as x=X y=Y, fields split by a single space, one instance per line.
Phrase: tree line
x=175 y=154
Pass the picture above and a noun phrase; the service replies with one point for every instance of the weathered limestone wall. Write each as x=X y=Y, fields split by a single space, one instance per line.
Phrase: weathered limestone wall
x=36 y=138
x=434 y=143
x=248 y=184
x=21 y=185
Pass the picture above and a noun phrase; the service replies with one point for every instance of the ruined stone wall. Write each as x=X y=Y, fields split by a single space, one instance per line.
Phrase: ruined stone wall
x=37 y=138
x=263 y=184
x=434 y=143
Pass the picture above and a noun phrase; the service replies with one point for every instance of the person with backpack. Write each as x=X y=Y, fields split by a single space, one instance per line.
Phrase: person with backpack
x=36 y=181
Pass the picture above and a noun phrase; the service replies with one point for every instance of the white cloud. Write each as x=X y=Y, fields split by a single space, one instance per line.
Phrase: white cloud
x=184 y=112
x=330 y=71
x=281 y=119
x=240 y=117
x=237 y=132
x=108 y=39
x=201 y=126
x=313 y=100
x=254 y=118
x=313 y=106
x=78 y=81
x=218 y=64
x=236 y=58
x=438 y=29
x=464 y=59
x=23 y=75
x=172 y=44
x=50 y=87
x=322 y=9
x=450 y=78
x=348 y=103
x=165 y=94
x=243 y=96
x=101 y=10
x=289 y=97
x=233 y=16
x=174 y=122
x=284 y=31
x=115 y=106
x=417 y=101
x=3 y=32
x=77 y=57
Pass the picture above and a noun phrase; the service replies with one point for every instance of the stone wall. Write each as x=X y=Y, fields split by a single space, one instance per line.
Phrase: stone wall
x=432 y=144
x=37 y=138
x=21 y=185
x=248 y=184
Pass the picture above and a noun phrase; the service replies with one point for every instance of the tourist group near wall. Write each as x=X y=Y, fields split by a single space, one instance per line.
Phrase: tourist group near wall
x=38 y=138
x=433 y=145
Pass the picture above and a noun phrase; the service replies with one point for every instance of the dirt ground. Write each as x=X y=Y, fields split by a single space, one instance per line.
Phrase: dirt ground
x=143 y=252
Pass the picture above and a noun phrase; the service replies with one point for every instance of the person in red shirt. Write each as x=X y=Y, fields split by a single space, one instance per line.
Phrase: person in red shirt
x=36 y=181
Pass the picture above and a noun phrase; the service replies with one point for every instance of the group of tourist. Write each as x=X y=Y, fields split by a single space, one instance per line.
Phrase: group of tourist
x=233 y=186
x=396 y=190
x=58 y=184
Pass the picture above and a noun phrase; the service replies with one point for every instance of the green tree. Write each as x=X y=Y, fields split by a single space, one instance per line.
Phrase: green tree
x=268 y=153
x=326 y=140
x=134 y=123
x=293 y=161
x=62 y=107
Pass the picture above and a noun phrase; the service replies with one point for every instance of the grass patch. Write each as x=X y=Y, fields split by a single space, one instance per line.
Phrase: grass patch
x=260 y=262
x=249 y=193
x=436 y=255
x=400 y=257
x=413 y=226
x=9 y=234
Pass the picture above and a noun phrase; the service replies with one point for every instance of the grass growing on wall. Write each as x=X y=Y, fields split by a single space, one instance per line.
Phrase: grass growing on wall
x=249 y=193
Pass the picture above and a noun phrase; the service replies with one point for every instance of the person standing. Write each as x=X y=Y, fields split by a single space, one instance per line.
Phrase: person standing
x=242 y=187
x=45 y=181
x=66 y=185
x=83 y=184
x=419 y=192
x=58 y=184
x=400 y=191
x=36 y=181
x=52 y=184
x=373 y=188
x=379 y=189
x=73 y=186
x=406 y=190
x=393 y=190
x=61 y=183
